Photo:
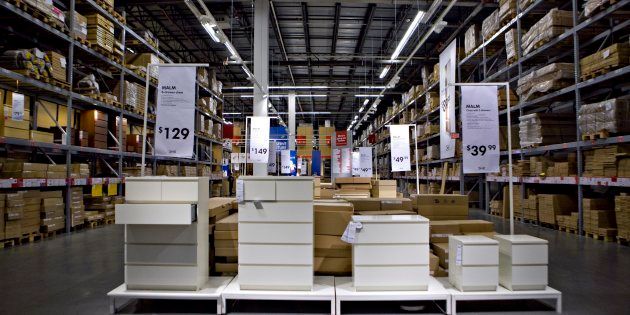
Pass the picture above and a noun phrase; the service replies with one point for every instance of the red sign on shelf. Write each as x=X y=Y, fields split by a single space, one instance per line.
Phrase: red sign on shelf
x=341 y=138
x=300 y=140
x=328 y=141
x=372 y=138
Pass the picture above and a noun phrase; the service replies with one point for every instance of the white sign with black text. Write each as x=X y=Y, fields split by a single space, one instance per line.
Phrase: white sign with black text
x=346 y=161
x=365 y=162
x=17 y=107
x=356 y=163
x=336 y=161
x=175 y=121
x=259 y=140
x=401 y=155
x=448 y=62
x=480 y=129
x=272 y=163
x=285 y=162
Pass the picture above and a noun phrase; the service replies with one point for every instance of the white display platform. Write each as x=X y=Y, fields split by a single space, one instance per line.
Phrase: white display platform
x=346 y=292
x=502 y=294
x=323 y=290
x=211 y=291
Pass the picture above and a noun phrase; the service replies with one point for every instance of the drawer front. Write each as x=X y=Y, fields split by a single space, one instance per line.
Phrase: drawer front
x=264 y=254
x=391 y=277
x=479 y=276
x=393 y=233
x=160 y=214
x=375 y=255
x=161 y=254
x=276 y=212
x=529 y=254
x=275 y=233
x=161 y=277
x=142 y=191
x=259 y=190
x=480 y=255
x=275 y=277
x=294 y=190
x=160 y=234
x=180 y=191
x=523 y=275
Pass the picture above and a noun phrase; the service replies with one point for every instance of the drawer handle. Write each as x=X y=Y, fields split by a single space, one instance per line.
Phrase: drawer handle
x=258 y=205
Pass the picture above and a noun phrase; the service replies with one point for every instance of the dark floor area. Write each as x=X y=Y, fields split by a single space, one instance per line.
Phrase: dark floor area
x=71 y=274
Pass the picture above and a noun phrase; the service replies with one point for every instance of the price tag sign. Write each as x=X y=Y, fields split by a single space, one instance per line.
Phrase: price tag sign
x=356 y=163
x=259 y=144
x=234 y=158
x=242 y=158
x=272 y=163
x=299 y=162
x=346 y=161
x=17 y=111
x=285 y=162
x=97 y=190
x=6 y=183
x=112 y=189
x=400 y=155
x=55 y=182
x=336 y=161
x=79 y=181
x=174 y=135
x=365 y=162
x=480 y=128
x=33 y=182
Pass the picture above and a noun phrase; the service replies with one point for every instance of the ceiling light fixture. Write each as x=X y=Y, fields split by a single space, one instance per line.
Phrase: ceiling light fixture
x=403 y=41
x=366 y=102
x=373 y=87
x=368 y=95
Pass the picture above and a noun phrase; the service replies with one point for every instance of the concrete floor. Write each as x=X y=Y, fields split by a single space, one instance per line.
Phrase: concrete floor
x=71 y=274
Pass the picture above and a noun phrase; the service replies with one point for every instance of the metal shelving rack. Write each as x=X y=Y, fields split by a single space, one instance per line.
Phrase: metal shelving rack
x=570 y=96
x=39 y=90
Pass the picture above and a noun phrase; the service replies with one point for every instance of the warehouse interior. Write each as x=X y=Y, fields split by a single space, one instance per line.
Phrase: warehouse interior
x=315 y=157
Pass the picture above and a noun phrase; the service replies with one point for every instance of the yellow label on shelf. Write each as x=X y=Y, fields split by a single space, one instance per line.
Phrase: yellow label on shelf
x=97 y=190
x=112 y=189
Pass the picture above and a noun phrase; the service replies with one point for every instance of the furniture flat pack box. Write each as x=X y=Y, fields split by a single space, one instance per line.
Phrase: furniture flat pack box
x=384 y=188
x=166 y=232
x=473 y=263
x=275 y=226
x=391 y=253
x=522 y=262
x=443 y=206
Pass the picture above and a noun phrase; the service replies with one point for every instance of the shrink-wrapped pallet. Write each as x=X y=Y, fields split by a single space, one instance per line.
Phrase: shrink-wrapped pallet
x=511 y=45
x=546 y=128
x=490 y=25
x=552 y=25
x=611 y=115
x=549 y=78
x=471 y=39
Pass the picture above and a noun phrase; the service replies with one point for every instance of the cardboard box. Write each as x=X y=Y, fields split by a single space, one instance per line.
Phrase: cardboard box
x=384 y=188
x=365 y=204
x=440 y=206
x=396 y=204
x=331 y=246
x=434 y=264
x=330 y=265
x=387 y=212
x=441 y=250
x=226 y=267
x=229 y=223
x=440 y=230
x=331 y=222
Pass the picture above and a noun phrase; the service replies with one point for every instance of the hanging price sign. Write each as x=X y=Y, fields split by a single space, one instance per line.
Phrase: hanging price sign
x=285 y=162
x=175 y=112
x=234 y=158
x=400 y=155
x=480 y=128
x=272 y=162
x=259 y=144
x=365 y=162
x=346 y=161
x=336 y=161
x=356 y=163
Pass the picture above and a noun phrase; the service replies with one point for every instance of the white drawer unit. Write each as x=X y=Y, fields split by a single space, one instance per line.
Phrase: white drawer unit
x=473 y=263
x=391 y=253
x=522 y=262
x=275 y=227
x=166 y=232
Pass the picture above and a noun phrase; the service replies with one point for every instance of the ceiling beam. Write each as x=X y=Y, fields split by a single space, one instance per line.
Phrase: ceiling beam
x=333 y=43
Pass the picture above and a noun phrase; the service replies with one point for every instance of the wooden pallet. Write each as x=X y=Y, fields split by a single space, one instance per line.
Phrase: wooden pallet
x=129 y=108
x=110 y=221
x=549 y=225
x=599 y=135
x=511 y=60
x=30 y=237
x=42 y=16
x=10 y=242
x=83 y=41
x=606 y=238
x=603 y=6
x=50 y=234
x=58 y=83
x=103 y=51
x=568 y=230
x=96 y=97
x=77 y=227
x=598 y=72
x=622 y=241
x=94 y=223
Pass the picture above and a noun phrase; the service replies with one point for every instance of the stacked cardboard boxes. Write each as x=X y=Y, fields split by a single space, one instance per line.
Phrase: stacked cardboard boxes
x=77 y=208
x=100 y=31
x=52 y=211
x=32 y=206
x=13 y=213
x=622 y=216
x=317 y=187
x=10 y=124
x=516 y=189
x=226 y=245
x=611 y=57
x=546 y=128
x=327 y=190
x=98 y=207
x=384 y=188
x=552 y=205
x=219 y=208
x=304 y=140
x=325 y=142
x=332 y=256
x=602 y=162
x=353 y=187
x=382 y=206
x=95 y=123
x=530 y=207
x=143 y=60
x=471 y=39
x=80 y=25
x=79 y=170
x=133 y=94
x=599 y=217
x=552 y=25
x=441 y=207
x=58 y=171
x=21 y=169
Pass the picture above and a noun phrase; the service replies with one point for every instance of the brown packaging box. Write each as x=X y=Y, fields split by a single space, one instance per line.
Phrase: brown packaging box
x=331 y=246
x=440 y=230
x=441 y=250
x=332 y=265
x=366 y=204
x=396 y=204
x=331 y=220
x=436 y=207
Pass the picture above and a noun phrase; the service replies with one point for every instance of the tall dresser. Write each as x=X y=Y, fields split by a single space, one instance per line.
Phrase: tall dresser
x=166 y=232
x=275 y=226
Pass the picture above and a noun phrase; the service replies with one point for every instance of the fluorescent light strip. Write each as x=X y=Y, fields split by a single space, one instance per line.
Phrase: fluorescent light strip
x=384 y=72
x=403 y=42
x=286 y=95
x=366 y=102
x=301 y=87
x=368 y=95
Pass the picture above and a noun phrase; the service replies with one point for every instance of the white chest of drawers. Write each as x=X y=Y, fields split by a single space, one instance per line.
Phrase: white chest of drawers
x=391 y=253
x=166 y=232
x=473 y=263
x=522 y=262
x=275 y=226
